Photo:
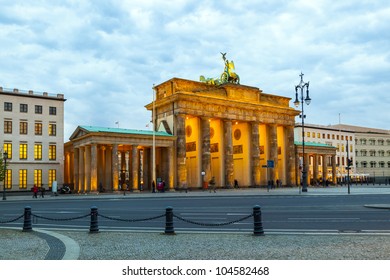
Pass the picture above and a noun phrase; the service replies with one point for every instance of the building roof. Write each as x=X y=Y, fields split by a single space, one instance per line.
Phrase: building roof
x=122 y=130
x=82 y=130
x=313 y=144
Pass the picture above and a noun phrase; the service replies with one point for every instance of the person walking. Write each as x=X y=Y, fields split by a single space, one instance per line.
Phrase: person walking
x=212 y=184
x=35 y=191
x=43 y=191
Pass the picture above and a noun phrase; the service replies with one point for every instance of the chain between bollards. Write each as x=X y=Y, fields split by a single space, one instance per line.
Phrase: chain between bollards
x=258 y=225
x=27 y=224
x=169 y=221
x=94 y=226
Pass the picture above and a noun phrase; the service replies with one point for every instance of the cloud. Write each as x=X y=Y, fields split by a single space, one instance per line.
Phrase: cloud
x=105 y=56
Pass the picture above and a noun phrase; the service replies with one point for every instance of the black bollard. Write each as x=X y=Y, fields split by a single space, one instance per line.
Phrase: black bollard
x=258 y=225
x=169 y=221
x=27 y=225
x=94 y=227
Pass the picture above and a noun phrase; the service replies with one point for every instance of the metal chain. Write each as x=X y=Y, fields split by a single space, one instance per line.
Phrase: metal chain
x=212 y=225
x=131 y=220
x=64 y=219
x=11 y=221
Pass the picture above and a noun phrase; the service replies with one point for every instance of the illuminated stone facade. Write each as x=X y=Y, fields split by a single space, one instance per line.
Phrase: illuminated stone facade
x=228 y=131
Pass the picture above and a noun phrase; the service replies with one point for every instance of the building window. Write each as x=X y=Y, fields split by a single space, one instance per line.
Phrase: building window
x=52 y=129
x=381 y=153
x=333 y=137
x=38 y=128
x=8 y=179
x=38 y=177
x=52 y=176
x=7 y=147
x=23 y=127
x=23 y=178
x=363 y=153
x=23 y=151
x=8 y=106
x=381 y=142
x=308 y=134
x=372 y=153
x=372 y=142
x=381 y=164
x=23 y=108
x=52 y=110
x=363 y=141
x=38 y=109
x=8 y=127
x=52 y=152
x=38 y=151
x=313 y=135
x=319 y=135
x=364 y=164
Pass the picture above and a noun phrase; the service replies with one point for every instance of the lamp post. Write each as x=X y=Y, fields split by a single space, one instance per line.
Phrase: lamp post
x=5 y=156
x=302 y=85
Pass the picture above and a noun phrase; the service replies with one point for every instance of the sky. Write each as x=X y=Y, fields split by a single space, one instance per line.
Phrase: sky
x=106 y=55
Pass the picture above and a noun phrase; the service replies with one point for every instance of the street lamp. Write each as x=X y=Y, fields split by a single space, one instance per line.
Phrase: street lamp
x=5 y=156
x=302 y=85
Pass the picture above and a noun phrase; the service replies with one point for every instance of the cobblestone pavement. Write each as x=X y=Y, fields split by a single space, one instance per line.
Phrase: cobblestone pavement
x=114 y=245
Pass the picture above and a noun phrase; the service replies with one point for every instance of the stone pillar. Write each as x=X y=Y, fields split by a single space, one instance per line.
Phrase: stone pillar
x=115 y=167
x=87 y=180
x=290 y=156
x=171 y=182
x=181 y=151
x=273 y=152
x=108 y=170
x=206 y=155
x=334 y=175
x=135 y=166
x=315 y=168
x=228 y=149
x=147 y=176
x=94 y=167
x=255 y=151
x=81 y=169
x=76 y=169
x=307 y=167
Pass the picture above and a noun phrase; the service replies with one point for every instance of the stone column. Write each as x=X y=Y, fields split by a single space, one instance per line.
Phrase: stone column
x=76 y=169
x=324 y=169
x=171 y=183
x=307 y=167
x=94 y=167
x=147 y=176
x=115 y=167
x=135 y=166
x=87 y=187
x=228 y=149
x=315 y=168
x=181 y=151
x=290 y=156
x=273 y=152
x=334 y=171
x=255 y=151
x=206 y=155
x=81 y=170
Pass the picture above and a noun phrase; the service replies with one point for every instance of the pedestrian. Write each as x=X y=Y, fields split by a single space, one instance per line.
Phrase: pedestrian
x=212 y=184
x=153 y=187
x=43 y=191
x=35 y=191
x=236 y=184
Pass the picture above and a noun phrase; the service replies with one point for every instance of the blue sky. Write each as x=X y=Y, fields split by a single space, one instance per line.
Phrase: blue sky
x=105 y=56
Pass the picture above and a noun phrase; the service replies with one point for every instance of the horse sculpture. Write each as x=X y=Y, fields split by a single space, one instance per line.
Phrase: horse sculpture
x=228 y=75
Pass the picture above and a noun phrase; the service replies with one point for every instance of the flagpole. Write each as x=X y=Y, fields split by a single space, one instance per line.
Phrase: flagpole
x=154 y=139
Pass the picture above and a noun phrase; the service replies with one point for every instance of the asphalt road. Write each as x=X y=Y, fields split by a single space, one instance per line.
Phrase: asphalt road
x=341 y=213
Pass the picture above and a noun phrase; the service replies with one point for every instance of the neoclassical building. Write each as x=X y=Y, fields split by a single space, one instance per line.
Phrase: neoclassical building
x=227 y=131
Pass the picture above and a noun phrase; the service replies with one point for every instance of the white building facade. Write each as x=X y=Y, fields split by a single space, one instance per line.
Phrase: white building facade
x=342 y=139
x=32 y=135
